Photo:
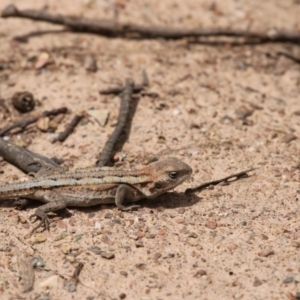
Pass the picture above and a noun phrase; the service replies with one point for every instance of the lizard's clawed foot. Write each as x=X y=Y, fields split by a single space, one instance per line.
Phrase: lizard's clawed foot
x=21 y=203
x=44 y=220
x=128 y=208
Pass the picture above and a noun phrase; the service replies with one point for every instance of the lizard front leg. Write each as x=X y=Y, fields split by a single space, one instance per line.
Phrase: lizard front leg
x=41 y=212
x=126 y=192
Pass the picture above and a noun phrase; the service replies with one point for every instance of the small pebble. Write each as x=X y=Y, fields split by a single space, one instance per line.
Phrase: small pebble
x=231 y=247
x=193 y=235
x=193 y=242
x=150 y=236
x=257 y=282
x=157 y=256
x=295 y=244
x=139 y=244
x=95 y=249
x=124 y=273
x=211 y=224
x=200 y=273
x=107 y=255
x=39 y=238
x=288 y=279
x=122 y=296
x=266 y=252
x=180 y=221
x=66 y=248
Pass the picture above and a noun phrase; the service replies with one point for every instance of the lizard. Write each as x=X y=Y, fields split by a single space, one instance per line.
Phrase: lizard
x=97 y=185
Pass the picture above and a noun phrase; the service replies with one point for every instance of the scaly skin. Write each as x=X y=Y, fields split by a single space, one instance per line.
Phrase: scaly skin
x=92 y=186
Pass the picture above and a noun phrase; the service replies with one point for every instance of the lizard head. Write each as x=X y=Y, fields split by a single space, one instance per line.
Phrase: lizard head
x=166 y=175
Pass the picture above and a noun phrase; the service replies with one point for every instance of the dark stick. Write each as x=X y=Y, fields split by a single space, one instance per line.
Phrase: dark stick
x=69 y=129
x=77 y=271
x=291 y=57
x=202 y=186
x=122 y=119
x=111 y=28
x=25 y=122
x=24 y=159
x=119 y=90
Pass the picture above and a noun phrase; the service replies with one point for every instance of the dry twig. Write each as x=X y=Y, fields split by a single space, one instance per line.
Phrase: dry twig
x=24 y=159
x=25 y=122
x=122 y=122
x=70 y=127
x=204 y=185
x=111 y=28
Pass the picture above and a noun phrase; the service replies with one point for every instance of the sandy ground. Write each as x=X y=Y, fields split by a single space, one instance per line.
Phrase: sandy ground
x=239 y=241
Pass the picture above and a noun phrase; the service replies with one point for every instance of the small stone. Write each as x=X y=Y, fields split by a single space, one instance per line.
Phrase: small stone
x=231 y=247
x=157 y=256
x=244 y=223
x=200 y=273
x=297 y=278
x=100 y=116
x=139 y=244
x=295 y=244
x=140 y=234
x=42 y=60
x=108 y=216
x=133 y=237
x=124 y=273
x=37 y=262
x=66 y=248
x=90 y=64
x=60 y=237
x=43 y=124
x=257 y=282
x=95 y=249
x=264 y=237
x=107 y=255
x=180 y=221
x=211 y=224
x=193 y=242
x=150 y=236
x=39 y=238
x=266 y=252
x=288 y=279
x=288 y=138
x=122 y=296
x=50 y=282
x=70 y=258
x=181 y=210
x=193 y=235
x=161 y=232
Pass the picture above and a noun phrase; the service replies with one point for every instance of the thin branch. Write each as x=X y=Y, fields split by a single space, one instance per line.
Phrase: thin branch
x=202 y=186
x=122 y=120
x=111 y=28
x=24 y=159
x=25 y=122
x=70 y=127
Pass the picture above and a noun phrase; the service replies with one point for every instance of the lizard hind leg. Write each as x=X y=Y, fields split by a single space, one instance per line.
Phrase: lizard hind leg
x=41 y=213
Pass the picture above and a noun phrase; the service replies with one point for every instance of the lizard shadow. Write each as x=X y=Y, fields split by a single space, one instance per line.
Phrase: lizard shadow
x=170 y=200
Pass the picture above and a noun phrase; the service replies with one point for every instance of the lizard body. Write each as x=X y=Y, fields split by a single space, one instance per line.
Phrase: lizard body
x=91 y=186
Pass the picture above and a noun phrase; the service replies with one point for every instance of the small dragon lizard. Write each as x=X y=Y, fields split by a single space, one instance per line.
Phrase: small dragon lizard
x=91 y=186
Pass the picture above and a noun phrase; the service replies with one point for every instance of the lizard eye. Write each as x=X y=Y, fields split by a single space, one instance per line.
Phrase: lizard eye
x=158 y=185
x=173 y=175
